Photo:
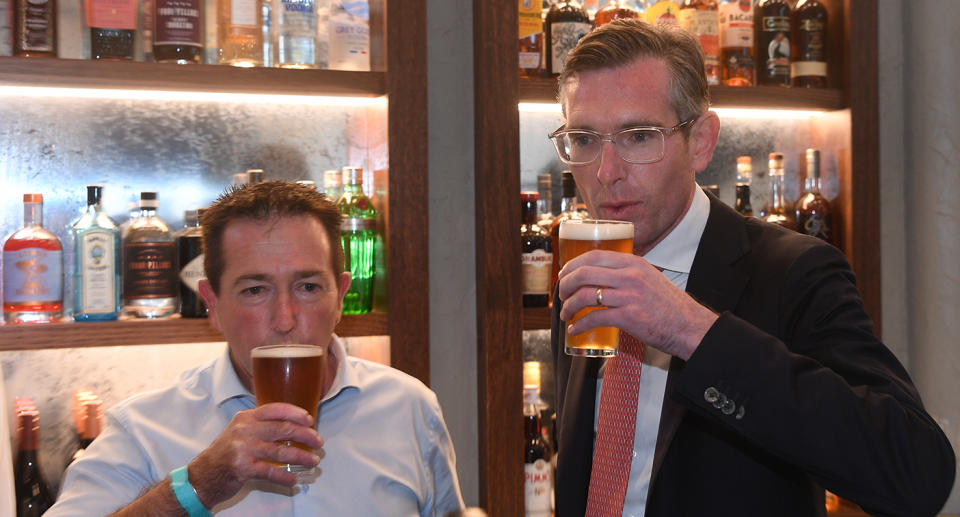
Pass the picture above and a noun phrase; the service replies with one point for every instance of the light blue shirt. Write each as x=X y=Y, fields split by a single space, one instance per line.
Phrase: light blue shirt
x=386 y=447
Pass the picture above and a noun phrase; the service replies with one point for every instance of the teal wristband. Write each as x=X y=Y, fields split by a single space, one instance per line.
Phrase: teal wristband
x=187 y=495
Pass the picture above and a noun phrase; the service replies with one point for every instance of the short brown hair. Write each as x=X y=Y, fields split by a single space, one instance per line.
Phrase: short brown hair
x=621 y=42
x=263 y=202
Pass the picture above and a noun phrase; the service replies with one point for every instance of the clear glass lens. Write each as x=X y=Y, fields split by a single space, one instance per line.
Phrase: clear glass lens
x=636 y=145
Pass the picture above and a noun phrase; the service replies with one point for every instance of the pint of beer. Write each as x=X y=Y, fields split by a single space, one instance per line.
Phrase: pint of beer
x=291 y=374
x=578 y=236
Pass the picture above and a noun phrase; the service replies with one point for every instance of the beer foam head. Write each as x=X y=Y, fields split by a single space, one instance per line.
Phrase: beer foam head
x=596 y=229
x=280 y=351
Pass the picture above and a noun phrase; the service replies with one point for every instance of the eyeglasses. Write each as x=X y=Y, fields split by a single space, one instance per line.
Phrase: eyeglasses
x=643 y=144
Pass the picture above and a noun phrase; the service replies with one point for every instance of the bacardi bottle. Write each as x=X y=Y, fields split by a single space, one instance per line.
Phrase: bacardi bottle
x=149 y=264
x=32 y=269
x=736 y=42
x=96 y=272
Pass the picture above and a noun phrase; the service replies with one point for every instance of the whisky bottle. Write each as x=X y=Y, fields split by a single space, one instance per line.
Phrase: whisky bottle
x=530 y=47
x=736 y=42
x=112 y=24
x=35 y=28
x=744 y=175
x=239 y=34
x=662 y=12
x=294 y=25
x=701 y=18
x=96 y=271
x=566 y=22
x=149 y=264
x=358 y=235
x=537 y=471
x=569 y=209
x=778 y=214
x=809 y=66
x=178 y=31
x=772 y=37
x=535 y=254
x=814 y=216
x=32 y=269
x=190 y=265
x=614 y=10
x=33 y=494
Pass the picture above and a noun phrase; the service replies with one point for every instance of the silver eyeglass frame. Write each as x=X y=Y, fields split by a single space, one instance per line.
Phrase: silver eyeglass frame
x=612 y=138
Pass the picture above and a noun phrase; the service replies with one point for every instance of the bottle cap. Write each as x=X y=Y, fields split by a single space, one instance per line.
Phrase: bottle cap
x=94 y=194
x=544 y=181
x=531 y=374
x=240 y=178
x=148 y=200
x=528 y=196
x=776 y=161
x=353 y=175
x=33 y=198
x=813 y=163
x=256 y=175
x=308 y=183
x=332 y=179
x=92 y=413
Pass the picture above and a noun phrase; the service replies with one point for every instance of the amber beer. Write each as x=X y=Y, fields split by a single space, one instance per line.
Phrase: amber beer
x=578 y=237
x=291 y=374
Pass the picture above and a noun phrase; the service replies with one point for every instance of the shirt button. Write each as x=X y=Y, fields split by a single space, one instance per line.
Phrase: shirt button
x=634 y=453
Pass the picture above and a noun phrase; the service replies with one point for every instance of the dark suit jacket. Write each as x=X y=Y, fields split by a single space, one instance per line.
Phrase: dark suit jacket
x=789 y=392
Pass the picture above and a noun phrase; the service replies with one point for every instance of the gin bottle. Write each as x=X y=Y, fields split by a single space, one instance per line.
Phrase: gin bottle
x=358 y=235
x=149 y=264
x=190 y=265
x=96 y=272
x=32 y=269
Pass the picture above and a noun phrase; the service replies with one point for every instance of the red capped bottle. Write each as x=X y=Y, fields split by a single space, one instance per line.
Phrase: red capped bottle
x=32 y=269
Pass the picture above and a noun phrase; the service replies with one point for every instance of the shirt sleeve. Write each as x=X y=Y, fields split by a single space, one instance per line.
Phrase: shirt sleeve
x=441 y=464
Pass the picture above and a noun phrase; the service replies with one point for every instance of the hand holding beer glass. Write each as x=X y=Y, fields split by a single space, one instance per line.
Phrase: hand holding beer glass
x=578 y=236
x=291 y=374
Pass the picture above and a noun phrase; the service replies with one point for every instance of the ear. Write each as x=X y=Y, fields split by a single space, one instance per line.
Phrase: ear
x=703 y=140
x=210 y=299
x=343 y=285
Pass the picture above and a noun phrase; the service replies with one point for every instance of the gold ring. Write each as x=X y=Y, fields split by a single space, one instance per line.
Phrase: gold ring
x=599 y=297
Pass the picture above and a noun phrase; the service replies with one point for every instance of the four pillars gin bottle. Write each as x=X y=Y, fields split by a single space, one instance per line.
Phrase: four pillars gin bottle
x=32 y=269
x=149 y=264
x=358 y=235
x=96 y=272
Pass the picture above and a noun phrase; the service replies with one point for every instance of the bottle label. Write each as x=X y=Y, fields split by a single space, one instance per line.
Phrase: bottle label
x=531 y=20
x=705 y=25
x=98 y=287
x=35 y=26
x=815 y=225
x=663 y=12
x=111 y=14
x=192 y=273
x=349 y=42
x=32 y=275
x=149 y=270
x=811 y=42
x=535 y=270
x=243 y=13
x=776 y=45
x=808 y=68
x=178 y=22
x=529 y=59
x=563 y=37
x=536 y=487
x=297 y=18
x=736 y=24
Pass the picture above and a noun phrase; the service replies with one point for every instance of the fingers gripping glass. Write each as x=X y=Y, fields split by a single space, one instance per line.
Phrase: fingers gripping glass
x=643 y=144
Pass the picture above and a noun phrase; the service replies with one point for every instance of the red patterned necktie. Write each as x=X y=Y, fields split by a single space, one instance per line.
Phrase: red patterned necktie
x=613 y=447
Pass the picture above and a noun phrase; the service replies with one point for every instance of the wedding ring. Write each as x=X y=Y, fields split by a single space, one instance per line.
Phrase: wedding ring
x=599 y=297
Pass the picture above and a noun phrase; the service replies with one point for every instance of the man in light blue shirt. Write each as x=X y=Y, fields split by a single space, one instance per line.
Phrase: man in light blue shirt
x=274 y=275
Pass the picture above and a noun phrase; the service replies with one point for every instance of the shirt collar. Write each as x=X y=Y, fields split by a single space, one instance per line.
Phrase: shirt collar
x=677 y=250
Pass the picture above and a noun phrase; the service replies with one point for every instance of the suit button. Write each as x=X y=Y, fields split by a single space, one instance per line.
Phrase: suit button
x=720 y=401
x=728 y=407
x=711 y=395
x=740 y=413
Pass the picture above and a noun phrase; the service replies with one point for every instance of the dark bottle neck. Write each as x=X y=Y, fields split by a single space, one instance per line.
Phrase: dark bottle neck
x=529 y=212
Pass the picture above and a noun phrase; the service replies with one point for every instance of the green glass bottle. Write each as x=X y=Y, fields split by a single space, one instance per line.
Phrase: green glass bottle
x=358 y=235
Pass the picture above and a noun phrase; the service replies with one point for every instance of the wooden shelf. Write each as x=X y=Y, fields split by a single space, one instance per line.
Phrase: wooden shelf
x=536 y=318
x=130 y=75
x=762 y=97
x=150 y=332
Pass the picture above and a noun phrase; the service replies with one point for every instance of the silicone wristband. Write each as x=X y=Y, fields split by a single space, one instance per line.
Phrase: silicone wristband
x=186 y=494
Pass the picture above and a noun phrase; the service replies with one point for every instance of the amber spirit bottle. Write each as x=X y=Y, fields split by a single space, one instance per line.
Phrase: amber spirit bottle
x=744 y=174
x=35 y=28
x=545 y=203
x=568 y=210
x=736 y=43
x=32 y=491
x=662 y=12
x=808 y=68
x=614 y=10
x=701 y=18
x=239 y=33
x=178 y=31
x=358 y=235
x=530 y=48
x=566 y=23
x=149 y=264
x=814 y=216
x=32 y=269
x=190 y=265
x=536 y=256
x=113 y=25
x=772 y=37
x=537 y=470
x=778 y=213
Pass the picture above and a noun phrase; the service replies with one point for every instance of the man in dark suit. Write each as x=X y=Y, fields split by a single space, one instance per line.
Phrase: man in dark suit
x=762 y=382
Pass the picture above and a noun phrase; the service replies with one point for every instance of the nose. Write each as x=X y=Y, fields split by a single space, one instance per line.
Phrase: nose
x=609 y=168
x=286 y=311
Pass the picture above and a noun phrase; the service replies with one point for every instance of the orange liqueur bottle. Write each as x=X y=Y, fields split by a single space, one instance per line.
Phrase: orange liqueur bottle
x=809 y=66
x=701 y=18
x=736 y=42
x=615 y=9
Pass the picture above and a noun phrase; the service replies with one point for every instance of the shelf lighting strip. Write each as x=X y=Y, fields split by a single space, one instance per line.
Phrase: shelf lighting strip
x=186 y=96
x=751 y=113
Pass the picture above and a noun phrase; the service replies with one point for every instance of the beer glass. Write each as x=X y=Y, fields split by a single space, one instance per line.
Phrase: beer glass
x=291 y=374
x=578 y=236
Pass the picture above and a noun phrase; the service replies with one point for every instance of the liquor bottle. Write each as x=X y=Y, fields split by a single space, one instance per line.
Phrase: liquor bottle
x=568 y=210
x=814 y=216
x=348 y=27
x=736 y=42
x=545 y=202
x=772 y=38
x=96 y=271
x=778 y=213
x=190 y=265
x=358 y=235
x=112 y=25
x=178 y=31
x=88 y=416
x=701 y=18
x=713 y=189
x=809 y=66
x=535 y=254
x=239 y=33
x=294 y=25
x=530 y=46
x=614 y=10
x=149 y=264
x=32 y=269
x=332 y=184
x=32 y=491
x=266 y=30
x=255 y=176
x=744 y=175
x=663 y=12
x=6 y=28
x=566 y=22
x=537 y=475
x=35 y=28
